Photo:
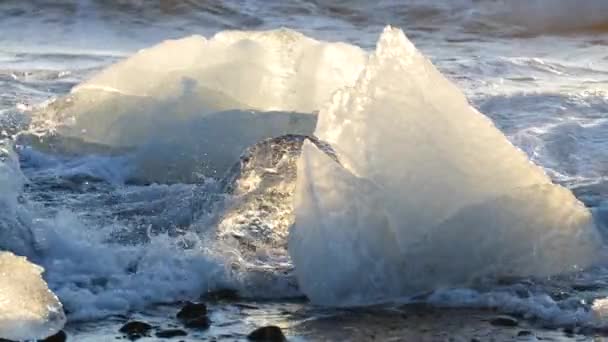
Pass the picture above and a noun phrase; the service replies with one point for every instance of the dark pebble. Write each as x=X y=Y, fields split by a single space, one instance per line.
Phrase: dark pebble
x=269 y=334
x=246 y=306
x=191 y=311
x=171 y=333
x=600 y=331
x=504 y=321
x=524 y=333
x=58 y=337
x=194 y=315
x=135 y=329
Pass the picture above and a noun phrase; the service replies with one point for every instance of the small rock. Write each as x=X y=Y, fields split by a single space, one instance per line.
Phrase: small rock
x=194 y=315
x=191 y=311
x=135 y=329
x=524 y=333
x=569 y=331
x=504 y=321
x=58 y=337
x=270 y=334
x=169 y=333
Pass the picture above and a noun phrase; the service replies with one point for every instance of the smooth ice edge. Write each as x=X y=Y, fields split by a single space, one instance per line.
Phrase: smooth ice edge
x=28 y=309
x=280 y=70
x=263 y=70
x=431 y=194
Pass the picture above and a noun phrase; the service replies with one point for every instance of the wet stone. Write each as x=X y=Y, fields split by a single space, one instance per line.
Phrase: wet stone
x=169 y=333
x=504 y=321
x=191 y=311
x=269 y=333
x=136 y=329
x=198 y=323
x=524 y=333
x=194 y=315
x=61 y=336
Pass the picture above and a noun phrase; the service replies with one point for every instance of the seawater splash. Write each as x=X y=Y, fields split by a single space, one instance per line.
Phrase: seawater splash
x=430 y=193
x=211 y=100
x=28 y=309
x=15 y=219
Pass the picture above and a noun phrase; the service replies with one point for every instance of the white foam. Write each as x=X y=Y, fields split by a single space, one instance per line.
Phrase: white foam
x=14 y=215
x=534 y=306
x=28 y=309
x=430 y=194
x=95 y=278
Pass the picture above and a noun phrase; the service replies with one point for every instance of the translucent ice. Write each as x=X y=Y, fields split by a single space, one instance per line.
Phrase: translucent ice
x=15 y=218
x=155 y=97
x=431 y=194
x=28 y=309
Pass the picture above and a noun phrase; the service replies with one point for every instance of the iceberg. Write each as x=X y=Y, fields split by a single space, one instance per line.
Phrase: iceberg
x=553 y=16
x=154 y=98
x=28 y=309
x=429 y=193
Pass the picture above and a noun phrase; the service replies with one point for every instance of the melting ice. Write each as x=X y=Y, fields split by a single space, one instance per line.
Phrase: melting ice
x=430 y=193
x=209 y=101
x=28 y=309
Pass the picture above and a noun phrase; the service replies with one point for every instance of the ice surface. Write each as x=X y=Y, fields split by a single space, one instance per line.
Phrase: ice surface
x=263 y=70
x=164 y=92
x=28 y=309
x=431 y=194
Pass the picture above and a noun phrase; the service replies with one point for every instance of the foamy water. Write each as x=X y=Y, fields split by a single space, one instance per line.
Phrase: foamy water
x=113 y=180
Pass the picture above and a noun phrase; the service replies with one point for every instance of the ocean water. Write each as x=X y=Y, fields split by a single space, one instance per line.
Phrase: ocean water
x=117 y=176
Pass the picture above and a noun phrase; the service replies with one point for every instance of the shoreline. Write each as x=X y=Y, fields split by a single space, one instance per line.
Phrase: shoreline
x=300 y=321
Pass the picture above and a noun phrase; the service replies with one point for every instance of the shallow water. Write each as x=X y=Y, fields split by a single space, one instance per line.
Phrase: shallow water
x=112 y=244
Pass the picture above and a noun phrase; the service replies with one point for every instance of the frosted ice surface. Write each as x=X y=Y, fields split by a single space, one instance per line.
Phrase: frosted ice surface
x=157 y=96
x=263 y=70
x=28 y=309
x=431 y=194
x=278 y=70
